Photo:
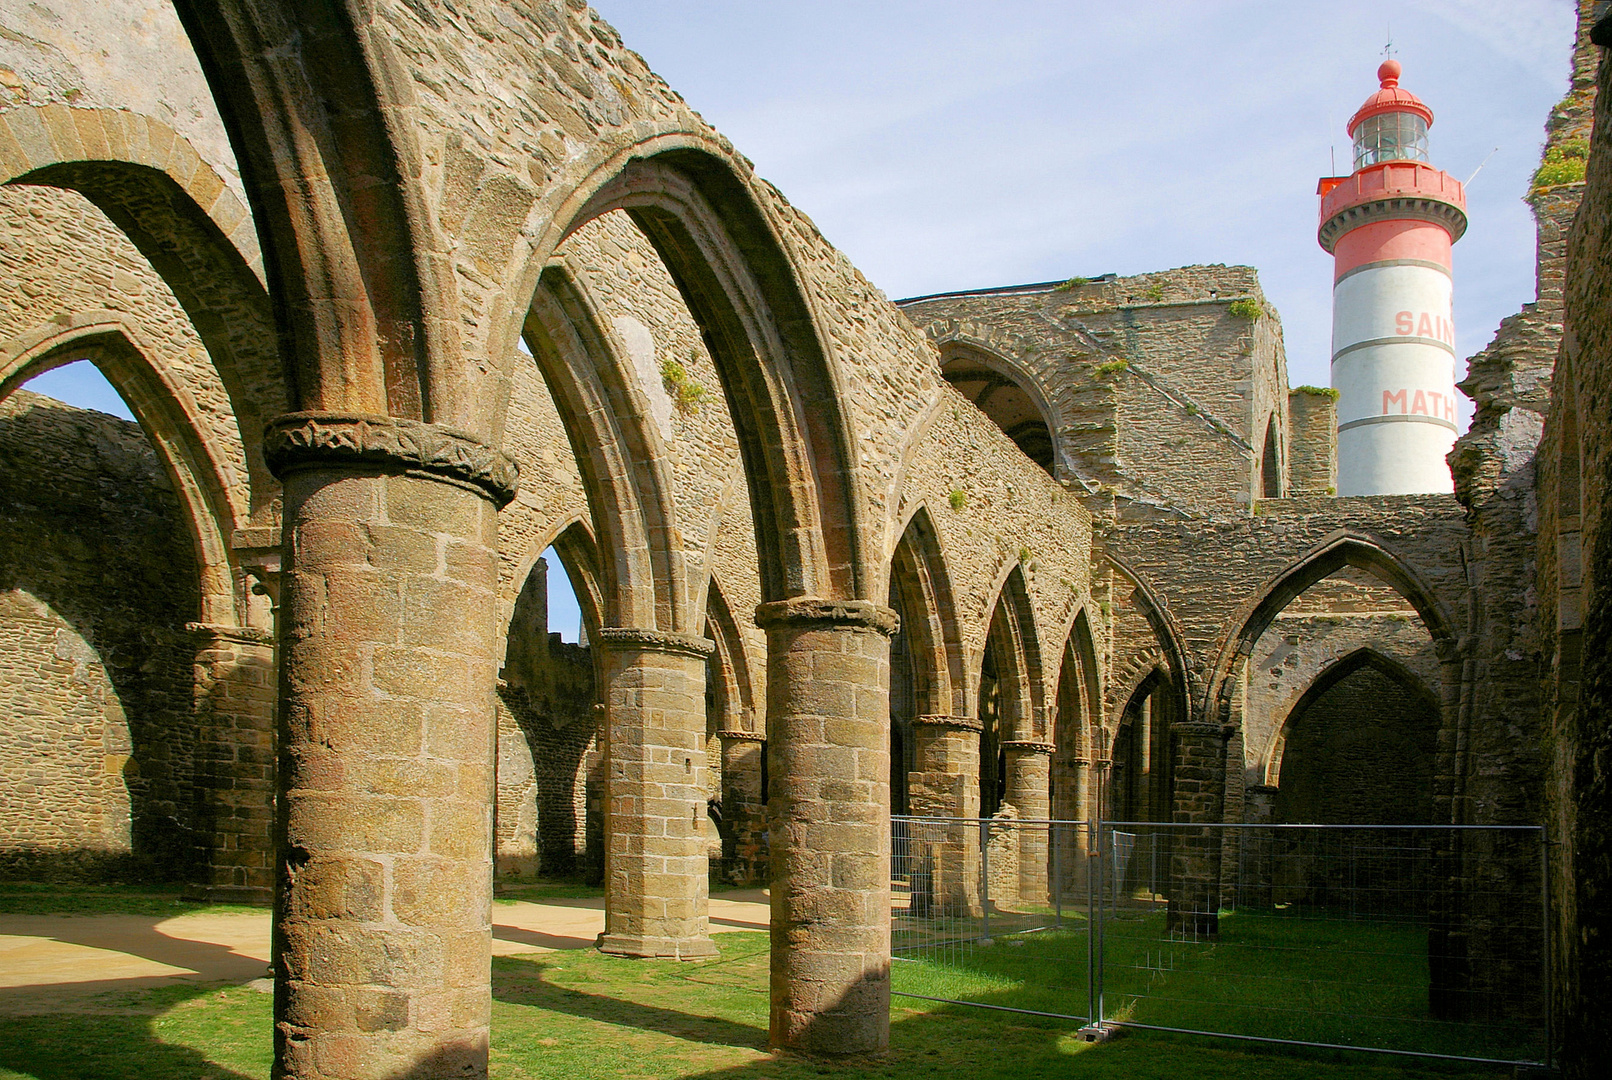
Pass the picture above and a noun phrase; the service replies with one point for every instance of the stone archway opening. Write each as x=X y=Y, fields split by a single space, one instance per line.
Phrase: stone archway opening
x=1358 y=748
x=100 y=591
x=1005 y=397
x=548 y=817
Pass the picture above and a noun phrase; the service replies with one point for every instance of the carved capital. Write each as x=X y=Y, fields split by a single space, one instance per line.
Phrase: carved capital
x=961 y=723
x=308 y=440
x=742 y=736
x=1033 y=746
x=814 y=610
x=632 y=637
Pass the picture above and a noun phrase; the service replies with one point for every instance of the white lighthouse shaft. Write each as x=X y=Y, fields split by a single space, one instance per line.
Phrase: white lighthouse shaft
x=1393 y=365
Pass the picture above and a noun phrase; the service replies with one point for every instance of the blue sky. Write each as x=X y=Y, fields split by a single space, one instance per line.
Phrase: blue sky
x=950 y=145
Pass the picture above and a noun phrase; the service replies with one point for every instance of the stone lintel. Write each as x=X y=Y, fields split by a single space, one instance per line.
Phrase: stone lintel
x=1033 y=746
x=742 y=736
x=240 y=635
x=963 y=723
x=342 y=440
x=809 y=610
x=633 y=637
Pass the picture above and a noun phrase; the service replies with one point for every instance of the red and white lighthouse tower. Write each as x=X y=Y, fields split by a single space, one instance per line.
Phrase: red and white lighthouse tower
x=1390 y=225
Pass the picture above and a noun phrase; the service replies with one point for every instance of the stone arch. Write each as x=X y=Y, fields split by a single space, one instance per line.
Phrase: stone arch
x=1343 y=669
x=1006 y=391
x=619 y=456
x=1010 y=692
x=1332 y=555
x=212 y=506
x=744 y=292
x=548 y=721
x=919 y=576
x=1077 y=722
x=1165 y=652
x=1140 y=779
x=196 y=234
x=729 y=661
x=299 y=95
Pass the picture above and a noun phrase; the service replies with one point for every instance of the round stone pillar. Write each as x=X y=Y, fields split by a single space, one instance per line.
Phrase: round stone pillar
x=828 y=699
x=1029 y=783
x=656 y=867
x=389 y=655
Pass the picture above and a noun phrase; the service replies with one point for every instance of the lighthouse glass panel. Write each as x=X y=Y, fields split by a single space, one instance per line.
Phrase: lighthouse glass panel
x=1395 y=136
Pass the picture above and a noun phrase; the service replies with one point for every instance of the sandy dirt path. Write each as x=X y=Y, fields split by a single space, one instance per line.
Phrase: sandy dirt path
x=57 y=963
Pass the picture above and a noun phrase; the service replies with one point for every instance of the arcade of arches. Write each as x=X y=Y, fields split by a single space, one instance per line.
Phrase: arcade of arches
x=288 y=631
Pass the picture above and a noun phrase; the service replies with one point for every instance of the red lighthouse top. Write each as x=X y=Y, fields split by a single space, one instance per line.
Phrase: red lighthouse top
x=1390 y=99
x=1392 y=180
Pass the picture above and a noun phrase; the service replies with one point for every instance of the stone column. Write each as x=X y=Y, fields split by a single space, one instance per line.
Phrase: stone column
x=1029 y=779
x=389 y=653
x=744 y=806
x=1194 y=888
x=656 y=867
x=828 y=693
x=234 y=702
x=946 y=784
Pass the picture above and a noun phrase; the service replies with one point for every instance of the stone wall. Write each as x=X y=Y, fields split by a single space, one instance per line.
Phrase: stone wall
x=97 y=584
x=1574 y=613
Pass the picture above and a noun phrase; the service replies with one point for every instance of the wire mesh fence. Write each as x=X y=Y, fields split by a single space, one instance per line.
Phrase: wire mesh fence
x=1417 y=940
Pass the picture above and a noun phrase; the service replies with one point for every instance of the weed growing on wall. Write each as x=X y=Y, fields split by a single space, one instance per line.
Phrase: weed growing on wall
x=684 y=391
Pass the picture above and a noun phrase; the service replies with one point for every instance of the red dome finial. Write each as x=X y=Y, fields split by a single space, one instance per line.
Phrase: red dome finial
x=1388 y=73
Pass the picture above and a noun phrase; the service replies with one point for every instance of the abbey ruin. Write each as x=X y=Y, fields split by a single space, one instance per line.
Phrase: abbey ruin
x=404 y=294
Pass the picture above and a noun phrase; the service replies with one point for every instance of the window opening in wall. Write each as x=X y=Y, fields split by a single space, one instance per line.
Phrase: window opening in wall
x=1009 y=404
x=1270 y=467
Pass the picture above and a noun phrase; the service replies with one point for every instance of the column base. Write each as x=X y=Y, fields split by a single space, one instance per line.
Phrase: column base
x=253 y=895
x=634 y=947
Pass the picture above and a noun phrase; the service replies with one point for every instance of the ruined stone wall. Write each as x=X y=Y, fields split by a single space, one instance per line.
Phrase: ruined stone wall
x=97 y=583
x=1139 y=371
x=1574 y=615
x=1312 y=442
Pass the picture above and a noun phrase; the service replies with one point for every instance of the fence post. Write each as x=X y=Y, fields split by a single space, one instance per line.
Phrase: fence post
x=985 y=879
x=1057 y=878
x=1548 y=971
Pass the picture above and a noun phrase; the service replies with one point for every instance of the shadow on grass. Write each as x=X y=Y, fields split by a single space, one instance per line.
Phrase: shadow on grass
x=108 y=1045
x=526 y=984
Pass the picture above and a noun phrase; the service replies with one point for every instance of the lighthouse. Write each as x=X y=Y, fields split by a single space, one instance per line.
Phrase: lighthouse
x=1389 y=226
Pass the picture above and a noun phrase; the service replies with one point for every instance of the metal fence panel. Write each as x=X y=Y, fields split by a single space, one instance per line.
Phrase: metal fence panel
x=992 y=913
x=1418 y=940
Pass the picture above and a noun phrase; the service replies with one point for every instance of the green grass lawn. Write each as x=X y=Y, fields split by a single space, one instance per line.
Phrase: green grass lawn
x=579 y=1015
x=1324 y=980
